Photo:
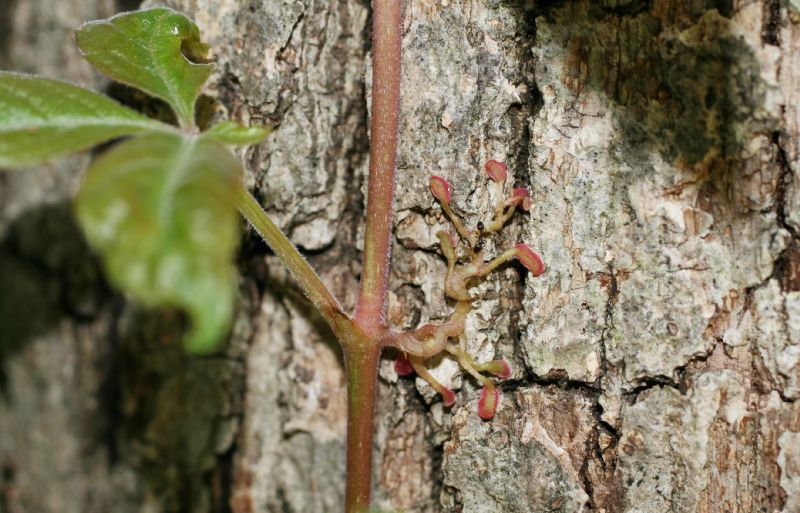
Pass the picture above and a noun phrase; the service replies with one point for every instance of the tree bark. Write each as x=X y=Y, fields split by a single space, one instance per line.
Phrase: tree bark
x=656 y=362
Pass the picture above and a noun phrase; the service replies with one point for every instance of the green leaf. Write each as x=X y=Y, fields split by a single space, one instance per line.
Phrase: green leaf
x=229 y=132
x=41 y=119
x=160 y=210
x=150 y=50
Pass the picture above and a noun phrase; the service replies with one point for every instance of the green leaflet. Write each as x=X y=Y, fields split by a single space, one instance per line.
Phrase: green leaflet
x=41 y=119
x=148 y=50
x=160 y=210
x=160 y=207
x=229 y=132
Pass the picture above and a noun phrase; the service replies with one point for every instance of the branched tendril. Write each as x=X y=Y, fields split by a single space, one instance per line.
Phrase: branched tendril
x=463 y=271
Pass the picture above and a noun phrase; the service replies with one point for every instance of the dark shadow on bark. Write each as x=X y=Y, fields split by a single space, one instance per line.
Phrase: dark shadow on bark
x=683 y=81
x=128 y=5
x=174 y=409
x=141 y=102
x=47 y=273
x=7 y=8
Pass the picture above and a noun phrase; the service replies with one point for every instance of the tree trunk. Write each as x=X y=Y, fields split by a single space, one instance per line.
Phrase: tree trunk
x=656 y=362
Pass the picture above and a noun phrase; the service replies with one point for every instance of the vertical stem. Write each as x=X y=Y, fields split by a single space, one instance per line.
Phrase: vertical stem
x=361 y=366
x=386 y=40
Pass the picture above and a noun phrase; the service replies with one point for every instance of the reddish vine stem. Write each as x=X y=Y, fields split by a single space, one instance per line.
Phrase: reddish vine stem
x=386 y=42
x=361 y=367
x=362 y=337
x=361 y=360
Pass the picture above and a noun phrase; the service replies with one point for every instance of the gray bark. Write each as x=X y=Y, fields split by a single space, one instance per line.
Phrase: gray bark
x=656 y=362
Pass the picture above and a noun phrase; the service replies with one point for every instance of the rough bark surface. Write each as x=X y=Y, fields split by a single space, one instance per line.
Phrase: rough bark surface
x=656 y=362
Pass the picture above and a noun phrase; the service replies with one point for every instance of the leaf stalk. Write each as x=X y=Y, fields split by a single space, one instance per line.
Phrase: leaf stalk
x=306 y=277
